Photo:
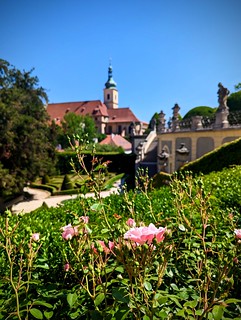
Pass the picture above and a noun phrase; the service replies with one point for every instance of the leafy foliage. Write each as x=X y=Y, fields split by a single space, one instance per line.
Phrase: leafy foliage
x=234 y=101
x=194 y=273
x=74 y=125
x=200 y=111
x=25 y=147
x=226 y=155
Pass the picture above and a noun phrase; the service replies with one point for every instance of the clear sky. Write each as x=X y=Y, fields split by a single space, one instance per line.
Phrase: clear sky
x=163 y=51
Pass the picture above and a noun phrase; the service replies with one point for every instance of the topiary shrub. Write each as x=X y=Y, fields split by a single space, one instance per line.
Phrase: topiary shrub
x=66 y=184
x=161 y=179
x=200 y=111
x=45 y=179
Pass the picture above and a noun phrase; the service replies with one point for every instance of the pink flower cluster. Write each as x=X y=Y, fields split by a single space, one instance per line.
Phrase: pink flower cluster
x=35 y=237
x=141 y=235
x=69 y=232
x=238 y=233
x=85 y=219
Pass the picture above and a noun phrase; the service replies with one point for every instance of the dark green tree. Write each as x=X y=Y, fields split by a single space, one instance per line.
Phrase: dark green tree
x=200 y=111
x=234 y=100
x=74 y=125
x=26 y=150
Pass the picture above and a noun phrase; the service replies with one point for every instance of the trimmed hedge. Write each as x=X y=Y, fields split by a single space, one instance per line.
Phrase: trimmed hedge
x=119 y=163
x=227 y=155
x=45 y=187
x=161 y=179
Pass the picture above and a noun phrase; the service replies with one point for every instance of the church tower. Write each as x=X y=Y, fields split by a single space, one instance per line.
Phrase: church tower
x=110 y=91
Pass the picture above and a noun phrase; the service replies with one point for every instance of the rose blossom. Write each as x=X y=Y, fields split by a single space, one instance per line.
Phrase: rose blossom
x=69 y=232
x=131 y=222
x=66 y=267
x=141 y=235
x=85 y=219
x=238 y=233
x=35 y=237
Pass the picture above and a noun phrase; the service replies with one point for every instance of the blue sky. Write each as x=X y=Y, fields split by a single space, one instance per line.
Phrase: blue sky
x=163 y=51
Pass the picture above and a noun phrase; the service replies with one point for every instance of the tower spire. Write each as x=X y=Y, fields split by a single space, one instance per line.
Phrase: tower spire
x=110 y=90
x=110 y=82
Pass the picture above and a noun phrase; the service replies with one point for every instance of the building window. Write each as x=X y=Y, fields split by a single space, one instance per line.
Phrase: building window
x=119 y=129
x=108 y=96
x=109 y=129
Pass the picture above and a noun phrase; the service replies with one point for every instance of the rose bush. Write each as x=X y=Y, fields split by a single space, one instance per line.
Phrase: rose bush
x=177 y=257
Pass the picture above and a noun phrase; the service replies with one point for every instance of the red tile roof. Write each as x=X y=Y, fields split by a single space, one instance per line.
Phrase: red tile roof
x=117 y=140
x=122 y=115
x=94 y=107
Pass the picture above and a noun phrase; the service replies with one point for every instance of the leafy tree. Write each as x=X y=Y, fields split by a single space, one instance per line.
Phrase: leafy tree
x=25 y=147
x=80 y=126
x=200 y=111
x=234 y=101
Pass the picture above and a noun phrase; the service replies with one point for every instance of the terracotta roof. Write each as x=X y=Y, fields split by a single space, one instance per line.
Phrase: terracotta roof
x=117 y=140
x=122 y=115
x=93 y=107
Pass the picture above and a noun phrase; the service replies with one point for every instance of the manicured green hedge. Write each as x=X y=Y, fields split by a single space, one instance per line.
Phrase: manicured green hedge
x=46 y=187
x=225 y=156
x=119 y=163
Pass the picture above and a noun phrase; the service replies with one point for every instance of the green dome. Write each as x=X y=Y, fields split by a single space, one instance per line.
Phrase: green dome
x=110 y=82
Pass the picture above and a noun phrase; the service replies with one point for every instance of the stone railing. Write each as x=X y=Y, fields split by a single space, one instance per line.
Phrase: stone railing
x=202 y=123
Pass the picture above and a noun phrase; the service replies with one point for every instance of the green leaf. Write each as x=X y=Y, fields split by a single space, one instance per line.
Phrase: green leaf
x=181 y=313
x=120 y=295
x=146 y=317
x=37 y=314
x=191 y=304
x=232 y=300
x=96 y=206
x=43 y=266
x=48 y=314
x=71 y=298
x=42 y=303
x=181 y=227
x=105 y=231
x=99 y=299
x=174 y=287
x=148 y=286
x=218 y=312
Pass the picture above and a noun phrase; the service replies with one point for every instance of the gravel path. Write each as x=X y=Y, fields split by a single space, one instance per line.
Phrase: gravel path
x=41 y=196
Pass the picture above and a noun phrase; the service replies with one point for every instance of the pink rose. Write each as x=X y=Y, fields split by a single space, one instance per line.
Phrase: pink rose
x=35 y=237
x=238 y=233
x=85 y=219
x=66 y=267
x=131 y=222
x=111 y=245
x=69 y=232
x=141 y=235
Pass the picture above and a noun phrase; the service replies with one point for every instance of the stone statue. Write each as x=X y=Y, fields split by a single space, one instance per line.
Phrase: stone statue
x=222 y=95
x=221 y=116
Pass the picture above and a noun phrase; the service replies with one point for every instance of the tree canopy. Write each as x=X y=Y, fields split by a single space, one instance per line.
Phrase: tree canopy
x=200 y=111
x=234 y=101
x=80 y=126
x=26 y=150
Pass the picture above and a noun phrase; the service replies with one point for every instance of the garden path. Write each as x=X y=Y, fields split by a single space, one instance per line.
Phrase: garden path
x=41 y=196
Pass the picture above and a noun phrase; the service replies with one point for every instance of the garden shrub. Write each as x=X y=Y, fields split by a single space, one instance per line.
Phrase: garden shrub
x=167 y=253
x=46 y=187
x=67 y=184
x=45 y=179
x=160 y=179
x=225 y=156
